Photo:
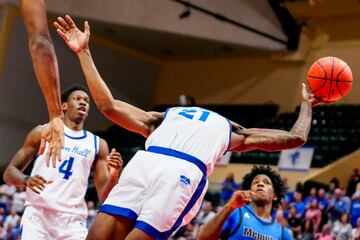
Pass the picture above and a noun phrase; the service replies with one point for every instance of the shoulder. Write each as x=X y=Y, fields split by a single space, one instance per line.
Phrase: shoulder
x=35 y=134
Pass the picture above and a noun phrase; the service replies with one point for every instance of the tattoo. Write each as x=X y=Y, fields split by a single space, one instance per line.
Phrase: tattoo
x=276 y=140
x=303 y=123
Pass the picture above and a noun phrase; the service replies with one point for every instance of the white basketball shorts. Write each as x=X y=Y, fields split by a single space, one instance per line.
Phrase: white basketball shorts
x=160 y=190
x=40 y=223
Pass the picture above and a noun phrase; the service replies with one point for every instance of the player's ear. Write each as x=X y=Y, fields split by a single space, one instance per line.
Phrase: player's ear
x=64 y=106
x=274 y=198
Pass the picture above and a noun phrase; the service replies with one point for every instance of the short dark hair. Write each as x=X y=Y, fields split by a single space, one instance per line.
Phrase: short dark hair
x=65 y=94
x=279 y=185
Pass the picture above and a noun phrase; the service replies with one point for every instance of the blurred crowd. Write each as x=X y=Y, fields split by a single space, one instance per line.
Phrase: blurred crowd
x=325 y=213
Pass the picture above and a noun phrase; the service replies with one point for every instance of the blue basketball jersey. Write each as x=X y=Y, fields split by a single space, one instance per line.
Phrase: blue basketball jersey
x=243 y=223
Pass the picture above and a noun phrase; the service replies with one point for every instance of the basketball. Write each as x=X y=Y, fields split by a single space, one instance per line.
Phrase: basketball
x=330 y=79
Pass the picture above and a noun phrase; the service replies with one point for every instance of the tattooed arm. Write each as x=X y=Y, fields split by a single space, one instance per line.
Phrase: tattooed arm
x=244 y=139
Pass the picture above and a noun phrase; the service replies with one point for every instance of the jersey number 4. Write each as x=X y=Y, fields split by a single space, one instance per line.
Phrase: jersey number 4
x=66 y=167
x=190 y=113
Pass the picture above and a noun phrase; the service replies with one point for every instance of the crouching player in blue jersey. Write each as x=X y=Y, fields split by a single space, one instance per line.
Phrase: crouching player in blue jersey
x=248 y=213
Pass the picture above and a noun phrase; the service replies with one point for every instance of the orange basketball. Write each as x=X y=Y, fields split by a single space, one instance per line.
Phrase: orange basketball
x=330 y=79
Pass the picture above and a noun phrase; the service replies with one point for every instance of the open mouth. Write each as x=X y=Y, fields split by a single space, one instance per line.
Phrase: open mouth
x=82 y=110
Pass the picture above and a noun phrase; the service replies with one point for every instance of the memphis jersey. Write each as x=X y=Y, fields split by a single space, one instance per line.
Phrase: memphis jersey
x=195 y=131
x=70 y=177
x=243 y=223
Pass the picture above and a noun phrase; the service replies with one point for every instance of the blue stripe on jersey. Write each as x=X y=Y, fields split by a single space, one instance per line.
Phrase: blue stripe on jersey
x=195 y=197
x=147 y=228
x=230 y=131
x=180 y=155
x=167 y=110
x=76 y=138
x=96 y=147
x=115 y=210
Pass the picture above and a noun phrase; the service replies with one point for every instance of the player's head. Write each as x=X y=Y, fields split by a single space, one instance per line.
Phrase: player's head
x=266 y=183
x=76 y=103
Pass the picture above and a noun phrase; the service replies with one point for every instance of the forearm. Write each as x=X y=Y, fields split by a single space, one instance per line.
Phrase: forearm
x=111 y=182
x=302 y=125
x=98 y=88
x=212 y=229
x=42 y=53
x=13 y=176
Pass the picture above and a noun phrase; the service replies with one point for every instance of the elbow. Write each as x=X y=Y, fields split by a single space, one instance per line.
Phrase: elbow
x=298 y=141
x=6 y=176
x=41 y=44
x=106 y=107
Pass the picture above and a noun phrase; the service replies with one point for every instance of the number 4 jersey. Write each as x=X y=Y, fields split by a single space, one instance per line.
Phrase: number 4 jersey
x=195 y=131
x=70 y=177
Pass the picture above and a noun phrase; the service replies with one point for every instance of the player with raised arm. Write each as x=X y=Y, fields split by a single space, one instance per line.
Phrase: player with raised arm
x=162 y=187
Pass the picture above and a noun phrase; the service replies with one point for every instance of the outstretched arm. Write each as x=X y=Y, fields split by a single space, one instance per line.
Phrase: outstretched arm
x=122 y=113
x=46 y=70
x=14 y=175
x=275 y=140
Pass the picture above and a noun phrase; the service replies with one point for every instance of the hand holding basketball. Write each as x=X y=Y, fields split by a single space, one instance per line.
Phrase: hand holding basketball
x=329 y=79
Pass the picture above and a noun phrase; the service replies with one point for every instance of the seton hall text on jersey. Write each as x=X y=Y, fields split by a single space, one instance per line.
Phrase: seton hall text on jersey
x=77 y=150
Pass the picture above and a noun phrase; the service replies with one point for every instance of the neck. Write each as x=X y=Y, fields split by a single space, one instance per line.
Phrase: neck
x=73 y=125
x=262 y=211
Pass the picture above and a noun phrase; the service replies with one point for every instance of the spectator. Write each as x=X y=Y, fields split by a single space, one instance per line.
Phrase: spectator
x=355 y=209
x=314 y=213
x=228 y=187
x=19 y=200
x=12 y=219
x=299 y=204
x=308 y=200
x=342 y=228
x=325 y=233
x=306 y=231
x=337 y=206
x=91 y=213
x=355 y=233
x=353 y=181
x=294 y=221
x=333 y=184
x=6 y=193
x=206 y=213
x=322 y=200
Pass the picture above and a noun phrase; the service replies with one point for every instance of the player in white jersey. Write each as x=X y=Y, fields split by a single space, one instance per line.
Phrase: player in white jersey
x=55 y=205
x=162 y=187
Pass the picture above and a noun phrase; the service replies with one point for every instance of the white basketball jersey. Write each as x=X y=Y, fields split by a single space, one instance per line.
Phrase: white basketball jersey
x=195 y=131
x=70 y=177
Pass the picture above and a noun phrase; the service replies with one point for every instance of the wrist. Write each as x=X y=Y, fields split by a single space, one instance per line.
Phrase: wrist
x=83 y=52
x=229 y=208
x=25 y=180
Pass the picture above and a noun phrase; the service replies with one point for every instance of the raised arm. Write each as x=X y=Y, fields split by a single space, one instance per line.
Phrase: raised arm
x=213 y=228
x=46 y=69
x=244 y=139
x=122 y=113
x=14 y=175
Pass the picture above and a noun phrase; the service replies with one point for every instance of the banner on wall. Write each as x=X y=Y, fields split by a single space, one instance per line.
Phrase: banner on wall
x=298 y=159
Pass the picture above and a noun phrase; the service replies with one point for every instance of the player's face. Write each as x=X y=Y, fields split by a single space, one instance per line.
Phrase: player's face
x=263 y=188
x=78 y=105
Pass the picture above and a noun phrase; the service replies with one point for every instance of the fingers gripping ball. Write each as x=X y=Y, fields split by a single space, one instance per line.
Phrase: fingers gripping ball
x=330 y=79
